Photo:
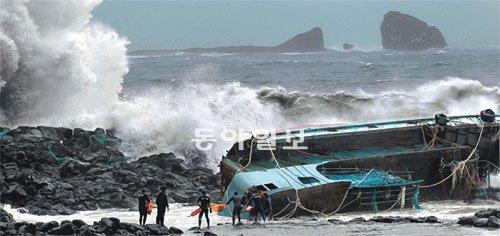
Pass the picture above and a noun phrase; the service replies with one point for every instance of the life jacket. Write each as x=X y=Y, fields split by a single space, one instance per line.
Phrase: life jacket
x=149 y=208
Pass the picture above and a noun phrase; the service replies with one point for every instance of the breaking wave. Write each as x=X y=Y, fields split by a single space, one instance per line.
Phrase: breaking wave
x=453 y=96
x=55 y=62
x=164 y=119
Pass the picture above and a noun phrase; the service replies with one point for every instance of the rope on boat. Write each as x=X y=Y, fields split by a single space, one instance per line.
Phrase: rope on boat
x=461 y=164
x=415 y=199
x=297 y=202
x=374 y=202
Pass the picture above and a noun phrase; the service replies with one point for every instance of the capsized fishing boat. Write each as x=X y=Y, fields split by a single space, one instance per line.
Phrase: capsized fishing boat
x=376 y=166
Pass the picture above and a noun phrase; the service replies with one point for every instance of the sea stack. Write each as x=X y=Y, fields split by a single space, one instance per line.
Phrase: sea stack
x=310 y=41
x=404 y=32
x=347 y=46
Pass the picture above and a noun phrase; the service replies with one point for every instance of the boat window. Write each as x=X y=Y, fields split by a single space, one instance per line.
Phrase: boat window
x=271 y=186
x=308 y=180
x=266 y=187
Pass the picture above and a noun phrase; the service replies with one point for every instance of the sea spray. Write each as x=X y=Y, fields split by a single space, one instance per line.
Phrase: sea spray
x=56 y=65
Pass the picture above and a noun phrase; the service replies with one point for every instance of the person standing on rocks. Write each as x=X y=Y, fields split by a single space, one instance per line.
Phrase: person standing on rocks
x=204 y=204
x=237 y=203
x=162 y=203
x=143 y=205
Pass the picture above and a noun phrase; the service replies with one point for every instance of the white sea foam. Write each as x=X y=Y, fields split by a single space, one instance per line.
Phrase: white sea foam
x=55 y=62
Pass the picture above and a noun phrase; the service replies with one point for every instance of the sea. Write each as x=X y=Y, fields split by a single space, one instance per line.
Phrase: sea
x=178 y=93
x=61 y=68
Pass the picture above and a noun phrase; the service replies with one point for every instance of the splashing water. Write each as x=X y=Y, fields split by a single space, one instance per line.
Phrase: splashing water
x=55 y=64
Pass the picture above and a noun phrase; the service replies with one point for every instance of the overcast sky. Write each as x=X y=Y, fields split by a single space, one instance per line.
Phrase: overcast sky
x=176 y=25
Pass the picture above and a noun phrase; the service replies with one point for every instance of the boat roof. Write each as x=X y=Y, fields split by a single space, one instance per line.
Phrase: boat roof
x=332 y=130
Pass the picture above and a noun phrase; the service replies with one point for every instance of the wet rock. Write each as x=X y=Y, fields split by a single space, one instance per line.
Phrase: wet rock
x=486 y=213
x=467 y=220
x=208 y=233
x=493 y=222
x=46 y=227
x=31 y=228
x=157 y=229
x=432 y=219
x=385 y=219
x=130 y=227
x=357 y=220
x=481 y=222
x=15 y=195
x=334 y=221
x=79 y=223
x=175 y=230
x=5 y=216
x=64 y=229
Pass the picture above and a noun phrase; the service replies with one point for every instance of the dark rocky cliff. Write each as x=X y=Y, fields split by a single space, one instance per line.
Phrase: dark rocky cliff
x=404 y=32
x=54 y=171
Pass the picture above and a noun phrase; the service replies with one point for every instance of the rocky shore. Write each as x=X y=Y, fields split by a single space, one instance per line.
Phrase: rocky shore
x=484 y=218
x=57 y=171
x=106 y=226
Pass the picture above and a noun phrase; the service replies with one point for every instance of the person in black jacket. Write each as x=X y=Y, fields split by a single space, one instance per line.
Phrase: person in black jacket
x=162 y=203
x=258 y=205
x=143 y=205
x=237 y=206
x=204 y=204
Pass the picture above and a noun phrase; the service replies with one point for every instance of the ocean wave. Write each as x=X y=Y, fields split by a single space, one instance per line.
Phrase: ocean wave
x=55 y=65
x=164 y=119
x=453 y=96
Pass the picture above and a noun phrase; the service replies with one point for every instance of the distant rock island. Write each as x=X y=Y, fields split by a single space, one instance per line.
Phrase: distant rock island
x=347 y=46
x=310 y=41
x=404 y=32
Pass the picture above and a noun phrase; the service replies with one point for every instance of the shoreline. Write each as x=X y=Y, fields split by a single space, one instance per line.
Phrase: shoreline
x=447 y=212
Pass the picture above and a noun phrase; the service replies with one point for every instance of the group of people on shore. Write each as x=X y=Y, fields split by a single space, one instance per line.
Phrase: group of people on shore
x=256 y=202
x=162 y=207
x=161 y=203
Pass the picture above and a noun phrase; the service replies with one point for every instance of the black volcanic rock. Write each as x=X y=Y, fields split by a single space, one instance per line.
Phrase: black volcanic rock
x=404 y=32
x=310 y=41
x=483 y=218
x=106 y=226
x=51 y=171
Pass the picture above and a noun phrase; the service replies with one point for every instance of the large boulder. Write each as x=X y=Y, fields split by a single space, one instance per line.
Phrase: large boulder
x=404 y=32
x=493 y=222
x=5 y=216
x=467 y=220
x=486 y=213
